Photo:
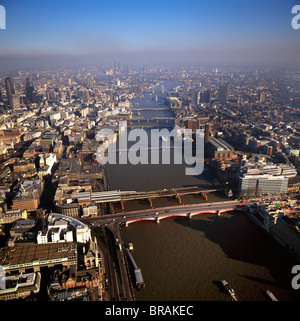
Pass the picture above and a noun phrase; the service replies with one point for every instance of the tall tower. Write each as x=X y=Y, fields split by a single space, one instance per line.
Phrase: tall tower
x=206 y=132
x=262 y=97
x=15 y=102
x=9 y=90
x=205 y=96
x=29 y=89
x=223 y=94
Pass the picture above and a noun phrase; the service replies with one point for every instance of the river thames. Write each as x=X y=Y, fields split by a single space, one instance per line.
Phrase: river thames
x=183 y=259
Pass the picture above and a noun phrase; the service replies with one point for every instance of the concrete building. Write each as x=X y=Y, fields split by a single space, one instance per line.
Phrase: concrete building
x=28 y=195
x=62 y=228
x=72 y=210
x=20 y=286
x=262 y=184
x=220 y=150
x=223 y=94
x=31 y=257
x=10 y=216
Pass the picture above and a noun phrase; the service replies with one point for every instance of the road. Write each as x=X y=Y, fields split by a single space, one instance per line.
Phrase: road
x=183 y=210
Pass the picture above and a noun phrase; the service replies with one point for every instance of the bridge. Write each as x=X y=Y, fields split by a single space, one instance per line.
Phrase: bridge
x=153 y=119
x=151 y=109
x=124 y=196
x=215 y=209
x=119 y=276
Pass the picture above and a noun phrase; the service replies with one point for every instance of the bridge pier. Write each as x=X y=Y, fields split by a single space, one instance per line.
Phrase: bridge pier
x=157 y=220
x=189 y=215
x=178 y=198
x=126 y=224
x=122 y=204
x=204 y=195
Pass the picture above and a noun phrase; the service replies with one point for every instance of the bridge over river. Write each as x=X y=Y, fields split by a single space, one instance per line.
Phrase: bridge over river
x=124 y=196
x=119 y=275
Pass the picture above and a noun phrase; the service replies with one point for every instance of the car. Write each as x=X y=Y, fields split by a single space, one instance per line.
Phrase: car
x=124 y=216
x=167 y=211
x=156 y=213
x=113 y=219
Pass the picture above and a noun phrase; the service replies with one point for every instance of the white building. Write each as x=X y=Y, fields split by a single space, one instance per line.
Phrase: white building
x=63 y=228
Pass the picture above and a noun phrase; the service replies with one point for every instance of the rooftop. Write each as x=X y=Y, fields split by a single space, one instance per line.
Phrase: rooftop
x=22 y=254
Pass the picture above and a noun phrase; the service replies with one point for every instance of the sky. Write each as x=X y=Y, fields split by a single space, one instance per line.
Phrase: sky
x=149 y=31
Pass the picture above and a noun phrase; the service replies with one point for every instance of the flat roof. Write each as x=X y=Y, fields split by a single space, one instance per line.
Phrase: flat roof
x=30 y=253
x=220 y=144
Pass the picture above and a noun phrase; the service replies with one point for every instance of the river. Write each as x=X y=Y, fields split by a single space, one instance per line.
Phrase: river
x=183 y=259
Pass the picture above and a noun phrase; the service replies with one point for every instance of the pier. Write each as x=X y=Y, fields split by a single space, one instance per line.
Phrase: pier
x=139 y=281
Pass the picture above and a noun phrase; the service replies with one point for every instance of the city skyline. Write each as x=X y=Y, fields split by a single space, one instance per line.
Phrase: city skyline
x=149 y=32
x=149 y=151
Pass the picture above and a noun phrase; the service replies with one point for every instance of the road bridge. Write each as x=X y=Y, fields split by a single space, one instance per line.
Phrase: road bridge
x=112 y=221
x=120 y=274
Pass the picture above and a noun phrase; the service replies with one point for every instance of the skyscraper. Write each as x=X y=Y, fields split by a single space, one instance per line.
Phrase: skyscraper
x=29 y=89
x=15 y=102
x=1 y=97
x=9 y=90
x=262 y=97
x=223 y=93
x=205 y=96
x=195 y=98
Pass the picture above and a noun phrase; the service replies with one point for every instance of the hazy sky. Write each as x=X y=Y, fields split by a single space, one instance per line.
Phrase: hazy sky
x=211 y=31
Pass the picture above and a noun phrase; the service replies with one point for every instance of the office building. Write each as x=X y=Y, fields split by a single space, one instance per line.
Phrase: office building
x=28 y=257
x=29 y=89
x=9 y=90
x=223 y=94
x=262 y=97
x=205 y=96
x=221 y=150
x=195 y=98
x=15 y=102
x=20 y=286
x=262 y=184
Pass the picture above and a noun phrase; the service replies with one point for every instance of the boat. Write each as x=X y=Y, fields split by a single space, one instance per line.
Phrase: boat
x=227 y=287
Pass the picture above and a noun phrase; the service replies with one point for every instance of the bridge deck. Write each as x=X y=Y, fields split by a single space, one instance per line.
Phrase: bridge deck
x=119 y=196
